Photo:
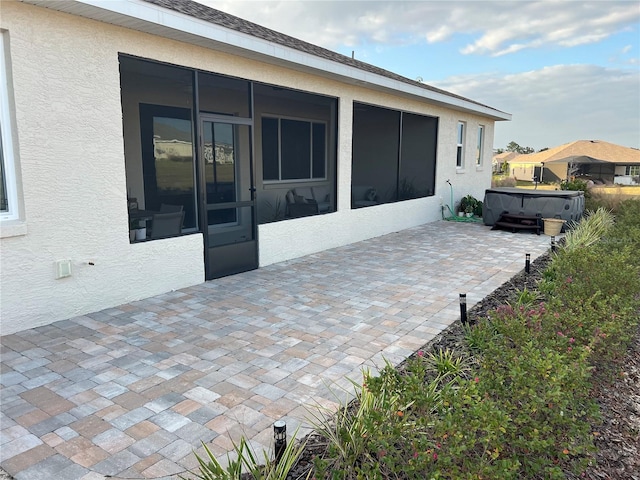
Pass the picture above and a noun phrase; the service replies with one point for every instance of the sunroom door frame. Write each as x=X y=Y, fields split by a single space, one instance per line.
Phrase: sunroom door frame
x=222 y=259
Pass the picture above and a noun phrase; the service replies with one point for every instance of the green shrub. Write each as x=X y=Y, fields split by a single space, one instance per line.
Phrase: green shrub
x=626 y=231
x=540 y=386
x=609 y=198
x=521 y=407
x=388 y=430
x=579 y=274
x=574 y=185
x=503 y=182
x=470 y=204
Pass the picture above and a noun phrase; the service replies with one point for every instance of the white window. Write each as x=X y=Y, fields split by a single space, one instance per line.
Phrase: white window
x=480 y=145
x=460 y=149
x=633 y=170
x=8 y=191
x=293 y=149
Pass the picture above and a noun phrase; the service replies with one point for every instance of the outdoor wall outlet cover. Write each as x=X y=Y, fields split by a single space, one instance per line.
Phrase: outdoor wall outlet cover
x=63 y=268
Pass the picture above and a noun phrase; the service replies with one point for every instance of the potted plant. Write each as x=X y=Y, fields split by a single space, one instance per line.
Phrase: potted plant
x=477 y=210
x=137 y=230
x=469 y=210
x=468 y=204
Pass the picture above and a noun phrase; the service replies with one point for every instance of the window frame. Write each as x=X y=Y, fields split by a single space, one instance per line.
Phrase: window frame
x=480 y=146
x=632 y=170
x=6 y=140
x=311 y=122
x=461 y=133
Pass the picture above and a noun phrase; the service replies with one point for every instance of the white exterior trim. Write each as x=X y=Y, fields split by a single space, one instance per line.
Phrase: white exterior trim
x=6 y=129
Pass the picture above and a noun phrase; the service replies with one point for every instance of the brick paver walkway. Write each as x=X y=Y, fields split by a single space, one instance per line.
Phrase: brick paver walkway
x=129 y=392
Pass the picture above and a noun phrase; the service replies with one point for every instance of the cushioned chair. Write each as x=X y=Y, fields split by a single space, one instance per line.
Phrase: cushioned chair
x=363 y=196
x=166 y=225
x=322 y=196
x=299 y=205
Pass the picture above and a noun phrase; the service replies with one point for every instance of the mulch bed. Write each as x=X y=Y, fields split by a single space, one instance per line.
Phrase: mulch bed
x=617 y=437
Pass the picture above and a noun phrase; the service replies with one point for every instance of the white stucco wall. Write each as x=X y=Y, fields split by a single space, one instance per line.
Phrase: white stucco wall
x=313 y=234
x=68 y=115
x=69 y=131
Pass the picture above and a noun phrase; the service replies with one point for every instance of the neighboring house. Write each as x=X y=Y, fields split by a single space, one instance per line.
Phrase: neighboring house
x=500 y=161
x=601 y=162
x=230 y=129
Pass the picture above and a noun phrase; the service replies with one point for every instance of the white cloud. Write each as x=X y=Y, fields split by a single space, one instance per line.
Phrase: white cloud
x=568 y=24
x=559 y=104
x=498 y=27
x=550 y=106
x=440 y=34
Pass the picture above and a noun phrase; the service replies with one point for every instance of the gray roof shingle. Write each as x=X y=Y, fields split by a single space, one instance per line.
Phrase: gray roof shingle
x=203 y=12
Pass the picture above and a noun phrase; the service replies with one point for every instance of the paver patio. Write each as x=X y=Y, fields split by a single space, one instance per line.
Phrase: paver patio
x=130 y=391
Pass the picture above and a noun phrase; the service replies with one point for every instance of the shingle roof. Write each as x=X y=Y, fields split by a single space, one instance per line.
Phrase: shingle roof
x=211 y=15
x=504 y=157
x=597 y=149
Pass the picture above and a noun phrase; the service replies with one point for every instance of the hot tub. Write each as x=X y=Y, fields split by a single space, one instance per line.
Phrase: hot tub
x=564 y=204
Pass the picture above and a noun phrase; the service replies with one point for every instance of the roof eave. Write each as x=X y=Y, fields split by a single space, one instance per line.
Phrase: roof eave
x=149 y=18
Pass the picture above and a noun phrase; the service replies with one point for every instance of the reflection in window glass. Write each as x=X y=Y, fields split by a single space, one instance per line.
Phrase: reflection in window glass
x=220 y=162
x=158 y=136
x=480 y=145
x=460 y=147
x=8 y=184
x=173 y=154
x=4 y=201
x=168 y=159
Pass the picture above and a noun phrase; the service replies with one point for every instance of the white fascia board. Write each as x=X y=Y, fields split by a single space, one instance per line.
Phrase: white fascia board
x=150 y=18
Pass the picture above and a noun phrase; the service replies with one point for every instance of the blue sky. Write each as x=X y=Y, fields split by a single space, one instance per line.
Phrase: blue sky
x=566 y=70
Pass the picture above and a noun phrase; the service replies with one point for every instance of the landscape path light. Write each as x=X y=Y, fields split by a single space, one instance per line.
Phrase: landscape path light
x=280 y=437
x=463 y=308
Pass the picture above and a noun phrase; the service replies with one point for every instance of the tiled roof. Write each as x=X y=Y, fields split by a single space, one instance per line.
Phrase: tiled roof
x=597 y=149
x=208 y=14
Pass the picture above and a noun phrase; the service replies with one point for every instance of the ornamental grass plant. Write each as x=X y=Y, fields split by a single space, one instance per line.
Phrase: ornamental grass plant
x=246 y=464
x=590 y=230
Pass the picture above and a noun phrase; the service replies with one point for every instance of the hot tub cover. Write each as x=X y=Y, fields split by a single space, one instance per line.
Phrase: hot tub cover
x=563 y=204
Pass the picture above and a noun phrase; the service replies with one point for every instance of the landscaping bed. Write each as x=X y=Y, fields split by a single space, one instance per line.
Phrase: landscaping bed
x=451 y=338
x=615 y=389
x=542 y=383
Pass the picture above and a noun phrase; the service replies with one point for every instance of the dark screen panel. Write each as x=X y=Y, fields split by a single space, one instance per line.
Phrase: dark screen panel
x=319 y=150
x=270 y=169
x=417 y=163
x=296 y=149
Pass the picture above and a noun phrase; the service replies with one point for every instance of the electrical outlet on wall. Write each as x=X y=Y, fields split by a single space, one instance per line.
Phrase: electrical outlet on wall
x=63 y=269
